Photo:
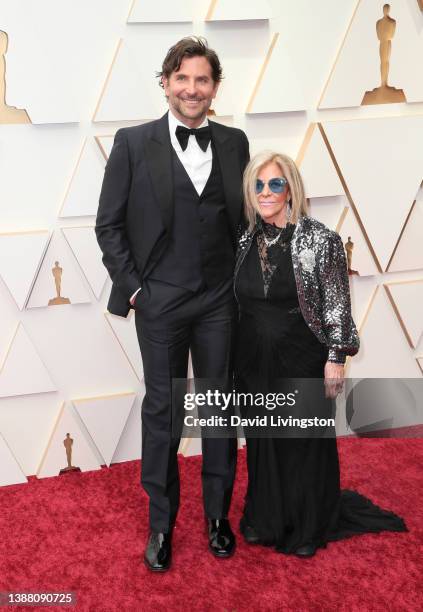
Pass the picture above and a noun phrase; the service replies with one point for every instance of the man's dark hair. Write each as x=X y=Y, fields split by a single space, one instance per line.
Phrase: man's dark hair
x=190 y=46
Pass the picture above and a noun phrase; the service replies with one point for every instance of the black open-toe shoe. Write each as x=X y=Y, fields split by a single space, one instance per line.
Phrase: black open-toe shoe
x=249 y=533
x=307 y=550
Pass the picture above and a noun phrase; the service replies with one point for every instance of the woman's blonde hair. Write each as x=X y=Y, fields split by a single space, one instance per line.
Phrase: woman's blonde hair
x=289 y=170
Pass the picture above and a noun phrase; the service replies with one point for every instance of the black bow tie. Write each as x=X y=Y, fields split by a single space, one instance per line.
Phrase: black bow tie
x=202 y=136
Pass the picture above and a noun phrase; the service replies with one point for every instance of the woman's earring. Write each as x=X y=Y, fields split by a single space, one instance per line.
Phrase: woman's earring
x=288 y=211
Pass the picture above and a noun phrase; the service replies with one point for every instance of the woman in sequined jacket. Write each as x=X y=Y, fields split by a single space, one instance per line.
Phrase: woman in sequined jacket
x=295 y=326
x=321 y=276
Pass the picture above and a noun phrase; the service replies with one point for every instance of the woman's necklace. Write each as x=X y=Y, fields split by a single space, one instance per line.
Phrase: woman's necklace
x=271 y=229
x=270 y=242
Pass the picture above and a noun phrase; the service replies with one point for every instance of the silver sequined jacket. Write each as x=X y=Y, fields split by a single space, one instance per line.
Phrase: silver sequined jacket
x=320 y=270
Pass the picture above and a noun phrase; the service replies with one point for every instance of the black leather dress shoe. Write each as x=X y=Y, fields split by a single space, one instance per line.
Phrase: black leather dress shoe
x=158 y=552
x=308 y=550
x=221 y=538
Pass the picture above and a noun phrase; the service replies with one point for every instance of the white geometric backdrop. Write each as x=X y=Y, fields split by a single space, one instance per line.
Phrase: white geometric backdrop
x=295 y=75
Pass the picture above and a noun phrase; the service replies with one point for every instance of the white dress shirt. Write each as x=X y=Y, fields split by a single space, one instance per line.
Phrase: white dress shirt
x=197 y=163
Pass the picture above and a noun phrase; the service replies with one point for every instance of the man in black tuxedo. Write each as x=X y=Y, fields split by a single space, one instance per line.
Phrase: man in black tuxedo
x=169 y=210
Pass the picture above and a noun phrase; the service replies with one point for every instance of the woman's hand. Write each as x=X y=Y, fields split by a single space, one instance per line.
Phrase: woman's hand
x=334 y=379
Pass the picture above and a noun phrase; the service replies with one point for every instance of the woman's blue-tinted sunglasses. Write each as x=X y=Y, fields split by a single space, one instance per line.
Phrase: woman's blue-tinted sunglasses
x=276 y=185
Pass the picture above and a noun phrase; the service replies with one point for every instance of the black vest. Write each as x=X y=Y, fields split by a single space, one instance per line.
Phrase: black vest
x=200 y=250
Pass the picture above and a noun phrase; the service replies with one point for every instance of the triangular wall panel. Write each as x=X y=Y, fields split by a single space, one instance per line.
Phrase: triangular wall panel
x=317 y=169
x=72 y=287
x=84 y=245
x=129 y=445
x=10 y=470
x=408 y=254
x=55 y=459
x=23 y=372
x=407 y=300
x=381 y=334
x=357 y=67
x=382 y=180
x=362 y=261
x=363 y=290
x=105 y=418
x=243 y=51
x=328 y=210
x=269 y=96
x=21 y=254
x=124 y=330
x=130 y=91
x=84 y=188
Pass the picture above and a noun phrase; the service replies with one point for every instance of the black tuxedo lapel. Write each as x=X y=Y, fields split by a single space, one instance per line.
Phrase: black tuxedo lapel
x=159 y=162
x=229 y=163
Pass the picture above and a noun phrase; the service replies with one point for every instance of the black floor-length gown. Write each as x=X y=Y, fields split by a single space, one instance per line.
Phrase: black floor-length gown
x=293 y=496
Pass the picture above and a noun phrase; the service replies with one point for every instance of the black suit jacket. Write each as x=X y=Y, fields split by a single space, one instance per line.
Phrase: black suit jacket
x=135 y=211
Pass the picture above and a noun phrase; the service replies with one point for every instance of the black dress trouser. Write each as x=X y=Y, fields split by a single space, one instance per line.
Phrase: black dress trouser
x=170 y=321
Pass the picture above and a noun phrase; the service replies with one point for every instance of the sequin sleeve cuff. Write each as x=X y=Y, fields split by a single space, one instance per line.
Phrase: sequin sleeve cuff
x=336 y=356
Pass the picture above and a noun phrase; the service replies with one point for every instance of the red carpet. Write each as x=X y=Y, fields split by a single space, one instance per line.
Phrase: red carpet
x=86 y=533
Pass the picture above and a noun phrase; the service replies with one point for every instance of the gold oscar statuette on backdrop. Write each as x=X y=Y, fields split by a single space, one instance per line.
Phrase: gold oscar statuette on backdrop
x=385 y=94
x=8 y=114
x=67 y=443
x=349 y=246
x=420 y=4
x=57 y=273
